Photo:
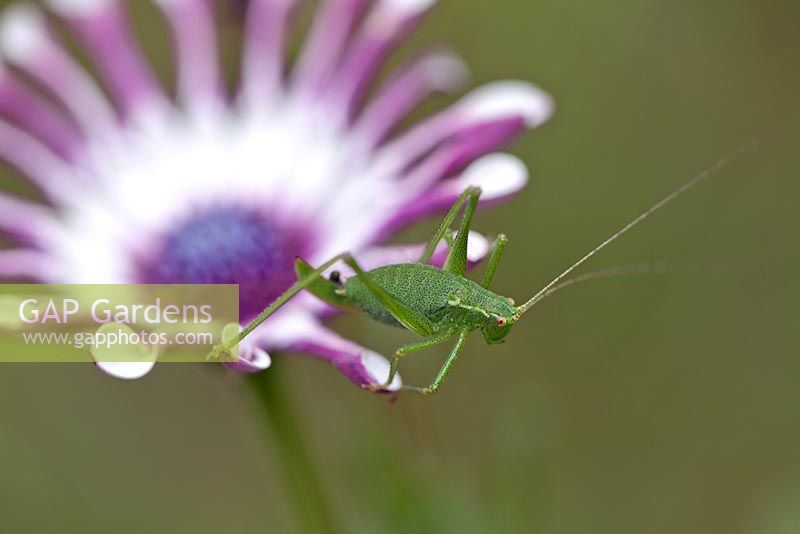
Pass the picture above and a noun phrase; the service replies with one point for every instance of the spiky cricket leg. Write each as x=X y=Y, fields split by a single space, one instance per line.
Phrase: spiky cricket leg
x=471 y=193
x=446 y=368
x=226 y=348
x=494 y=260
x=405 y=350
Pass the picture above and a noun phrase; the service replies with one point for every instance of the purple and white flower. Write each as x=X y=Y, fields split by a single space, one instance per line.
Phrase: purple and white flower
x=217 y=186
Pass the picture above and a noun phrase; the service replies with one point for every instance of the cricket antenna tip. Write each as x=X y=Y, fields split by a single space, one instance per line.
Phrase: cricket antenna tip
x=749 y=146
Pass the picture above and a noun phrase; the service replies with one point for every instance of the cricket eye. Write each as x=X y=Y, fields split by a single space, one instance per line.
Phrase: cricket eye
x=502 y=321
x=511 y=301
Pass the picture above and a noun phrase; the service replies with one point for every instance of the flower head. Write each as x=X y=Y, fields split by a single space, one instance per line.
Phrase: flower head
x=218 y=186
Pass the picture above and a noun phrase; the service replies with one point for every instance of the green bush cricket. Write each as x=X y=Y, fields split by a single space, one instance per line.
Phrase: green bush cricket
x=440 y=304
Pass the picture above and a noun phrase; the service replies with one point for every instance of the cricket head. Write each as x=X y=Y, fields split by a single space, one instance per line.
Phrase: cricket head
x=500 y=320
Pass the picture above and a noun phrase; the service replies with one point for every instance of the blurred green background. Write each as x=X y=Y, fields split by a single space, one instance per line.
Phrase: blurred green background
x=655 y=404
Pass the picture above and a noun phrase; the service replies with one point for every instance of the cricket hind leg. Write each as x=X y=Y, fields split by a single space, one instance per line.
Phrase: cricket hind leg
x=456 y=261
x=405 y=350
x=470 y=194
x=311 y=278
x=434 y=386
x=405 y=315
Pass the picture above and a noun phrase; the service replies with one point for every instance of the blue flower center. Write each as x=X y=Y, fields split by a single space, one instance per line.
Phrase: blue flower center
x=228 y=246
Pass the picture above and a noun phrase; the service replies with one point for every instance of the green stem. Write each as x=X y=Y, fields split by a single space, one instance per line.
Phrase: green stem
x=301 y=480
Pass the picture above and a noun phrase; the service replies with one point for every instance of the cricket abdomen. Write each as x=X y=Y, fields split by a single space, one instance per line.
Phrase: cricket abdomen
x=424 y=288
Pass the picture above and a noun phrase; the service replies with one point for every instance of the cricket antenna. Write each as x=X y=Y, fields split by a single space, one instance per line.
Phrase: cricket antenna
x=546 y=290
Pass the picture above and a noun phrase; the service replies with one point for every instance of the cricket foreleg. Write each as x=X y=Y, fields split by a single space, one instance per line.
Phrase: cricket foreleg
x=494 y=260
x=446 y=368
x=405 y=350
x=470 y=192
